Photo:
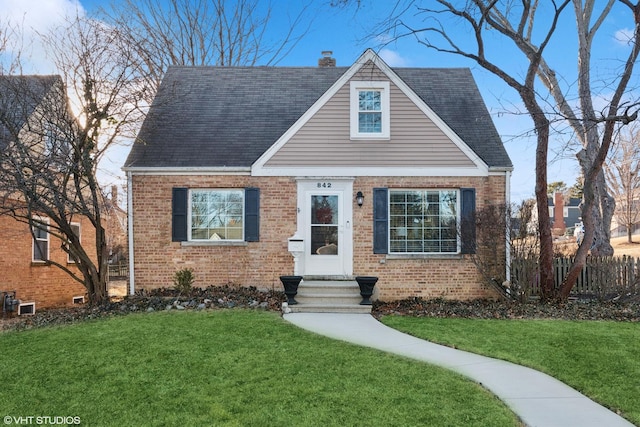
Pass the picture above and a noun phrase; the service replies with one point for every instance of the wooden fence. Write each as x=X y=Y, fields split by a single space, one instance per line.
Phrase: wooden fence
x=600 y=275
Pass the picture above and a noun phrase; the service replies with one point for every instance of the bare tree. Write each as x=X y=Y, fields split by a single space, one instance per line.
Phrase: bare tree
x=8 y=42
x=52 y=149
x=556 y=187
x=622 y=170
x=109 y=73
x=468 y=30
x=201 y=32
x=4 y=37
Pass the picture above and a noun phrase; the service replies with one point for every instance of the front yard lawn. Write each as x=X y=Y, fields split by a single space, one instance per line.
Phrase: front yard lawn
x=601 y=359
x=226 y=368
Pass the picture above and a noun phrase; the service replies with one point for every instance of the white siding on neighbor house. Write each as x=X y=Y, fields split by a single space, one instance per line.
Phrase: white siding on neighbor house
x=325 y=139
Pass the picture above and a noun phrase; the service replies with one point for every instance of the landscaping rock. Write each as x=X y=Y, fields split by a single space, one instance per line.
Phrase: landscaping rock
x=240 y=297
x=489 y=309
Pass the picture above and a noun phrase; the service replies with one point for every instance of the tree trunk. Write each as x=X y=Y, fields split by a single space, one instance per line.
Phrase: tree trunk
x=602 y=243
x=583 y=250
x=547 y=282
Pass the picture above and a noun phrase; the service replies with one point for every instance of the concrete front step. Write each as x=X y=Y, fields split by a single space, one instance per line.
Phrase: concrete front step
x=330 y=308
x=329 y=296
x=336 y=287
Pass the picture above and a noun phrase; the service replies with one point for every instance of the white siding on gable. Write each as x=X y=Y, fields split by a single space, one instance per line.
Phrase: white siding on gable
x=415 y=140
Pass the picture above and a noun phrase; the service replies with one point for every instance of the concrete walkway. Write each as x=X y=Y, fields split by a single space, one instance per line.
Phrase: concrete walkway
x=538 y=399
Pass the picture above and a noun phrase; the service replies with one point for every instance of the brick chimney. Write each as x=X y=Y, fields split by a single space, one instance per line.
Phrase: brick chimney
x=558 y=213
x=114 y=194
x=327 y=60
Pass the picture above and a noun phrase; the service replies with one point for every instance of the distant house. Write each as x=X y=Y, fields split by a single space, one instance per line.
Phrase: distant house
x=248 y=173
x=115 y=224
x=564 y=212
x=25 y=251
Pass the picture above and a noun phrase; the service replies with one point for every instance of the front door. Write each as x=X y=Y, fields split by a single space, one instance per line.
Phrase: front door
x=326 y=218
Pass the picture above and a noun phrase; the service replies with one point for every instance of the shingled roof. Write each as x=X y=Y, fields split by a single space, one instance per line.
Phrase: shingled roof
x=19 y=98
x=229 y=116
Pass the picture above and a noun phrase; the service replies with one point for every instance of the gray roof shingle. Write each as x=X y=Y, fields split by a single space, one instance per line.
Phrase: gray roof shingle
x=229 y=116
x=19 y=97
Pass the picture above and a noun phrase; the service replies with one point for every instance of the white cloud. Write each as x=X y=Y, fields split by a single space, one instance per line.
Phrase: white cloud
x=39 y=14
x=33 y=17
x=624 y=36
x=393 y=58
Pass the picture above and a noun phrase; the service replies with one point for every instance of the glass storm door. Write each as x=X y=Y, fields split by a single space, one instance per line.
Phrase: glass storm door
x=327 y=219
x=325 y=214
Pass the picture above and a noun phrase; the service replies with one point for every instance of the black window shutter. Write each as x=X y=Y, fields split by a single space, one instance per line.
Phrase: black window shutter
x=468 y=220
x=179 y=201
x=380 y=220
x=252 y=214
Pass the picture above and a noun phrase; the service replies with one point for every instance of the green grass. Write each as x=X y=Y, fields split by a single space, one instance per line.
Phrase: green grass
x=600 y=359
x=226 y=368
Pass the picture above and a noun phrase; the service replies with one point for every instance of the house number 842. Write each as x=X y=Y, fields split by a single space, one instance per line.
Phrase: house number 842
x=324 y=185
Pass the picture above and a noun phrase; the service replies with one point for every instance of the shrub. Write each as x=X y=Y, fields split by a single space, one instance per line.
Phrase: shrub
x=183 y=280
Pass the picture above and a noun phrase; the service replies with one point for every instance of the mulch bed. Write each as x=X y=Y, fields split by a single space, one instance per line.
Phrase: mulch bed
x=219 y=297
x=489 y=309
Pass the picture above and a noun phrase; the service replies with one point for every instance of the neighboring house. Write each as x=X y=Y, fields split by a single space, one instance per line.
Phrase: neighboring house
x=114 y=220
x=24 y=252
x=627 y=210
x=564 y=212
x=23 y=258
x=365 y=170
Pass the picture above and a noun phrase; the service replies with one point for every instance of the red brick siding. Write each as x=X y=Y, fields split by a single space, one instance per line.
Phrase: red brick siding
x=261 y=263
x=256 y=263
x=47 y=286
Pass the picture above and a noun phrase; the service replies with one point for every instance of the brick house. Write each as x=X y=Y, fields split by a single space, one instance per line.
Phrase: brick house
x=360 y=170
x=25 y=270
x=24 y=102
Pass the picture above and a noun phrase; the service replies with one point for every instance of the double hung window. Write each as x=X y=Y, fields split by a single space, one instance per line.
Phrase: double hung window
x=369 y=110
x=40 y=234
x=75 y=227
x=216 y=215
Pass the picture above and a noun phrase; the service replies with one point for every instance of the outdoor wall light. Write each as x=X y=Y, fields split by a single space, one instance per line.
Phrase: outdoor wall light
x=359 y=198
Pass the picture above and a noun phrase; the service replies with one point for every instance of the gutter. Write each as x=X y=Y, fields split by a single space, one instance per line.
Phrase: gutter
x=205 y=170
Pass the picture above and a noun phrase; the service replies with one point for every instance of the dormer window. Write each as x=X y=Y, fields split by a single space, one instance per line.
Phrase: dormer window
x=369 y=110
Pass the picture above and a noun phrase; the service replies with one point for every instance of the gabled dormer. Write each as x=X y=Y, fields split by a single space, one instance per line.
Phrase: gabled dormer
x=375 y=120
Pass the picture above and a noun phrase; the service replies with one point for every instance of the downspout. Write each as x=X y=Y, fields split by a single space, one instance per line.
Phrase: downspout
x=130 y=232
x=507 y=201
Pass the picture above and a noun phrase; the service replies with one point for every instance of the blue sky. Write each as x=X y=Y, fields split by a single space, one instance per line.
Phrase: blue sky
x=346 y=32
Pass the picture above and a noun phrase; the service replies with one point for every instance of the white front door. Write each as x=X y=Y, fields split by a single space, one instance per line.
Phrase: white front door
x=326 y=221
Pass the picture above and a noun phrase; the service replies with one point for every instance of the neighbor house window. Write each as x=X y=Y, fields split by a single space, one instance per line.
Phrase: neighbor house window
x=423 y=221
x=75 y=227
x=50 y=141
x=216 y=215
x=369 y=110
x=41 y=240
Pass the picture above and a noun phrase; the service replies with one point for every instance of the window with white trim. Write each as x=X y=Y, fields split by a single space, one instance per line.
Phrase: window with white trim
x=216 y=215
x=369 y=110
x=40 y=252
x=423 y=221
